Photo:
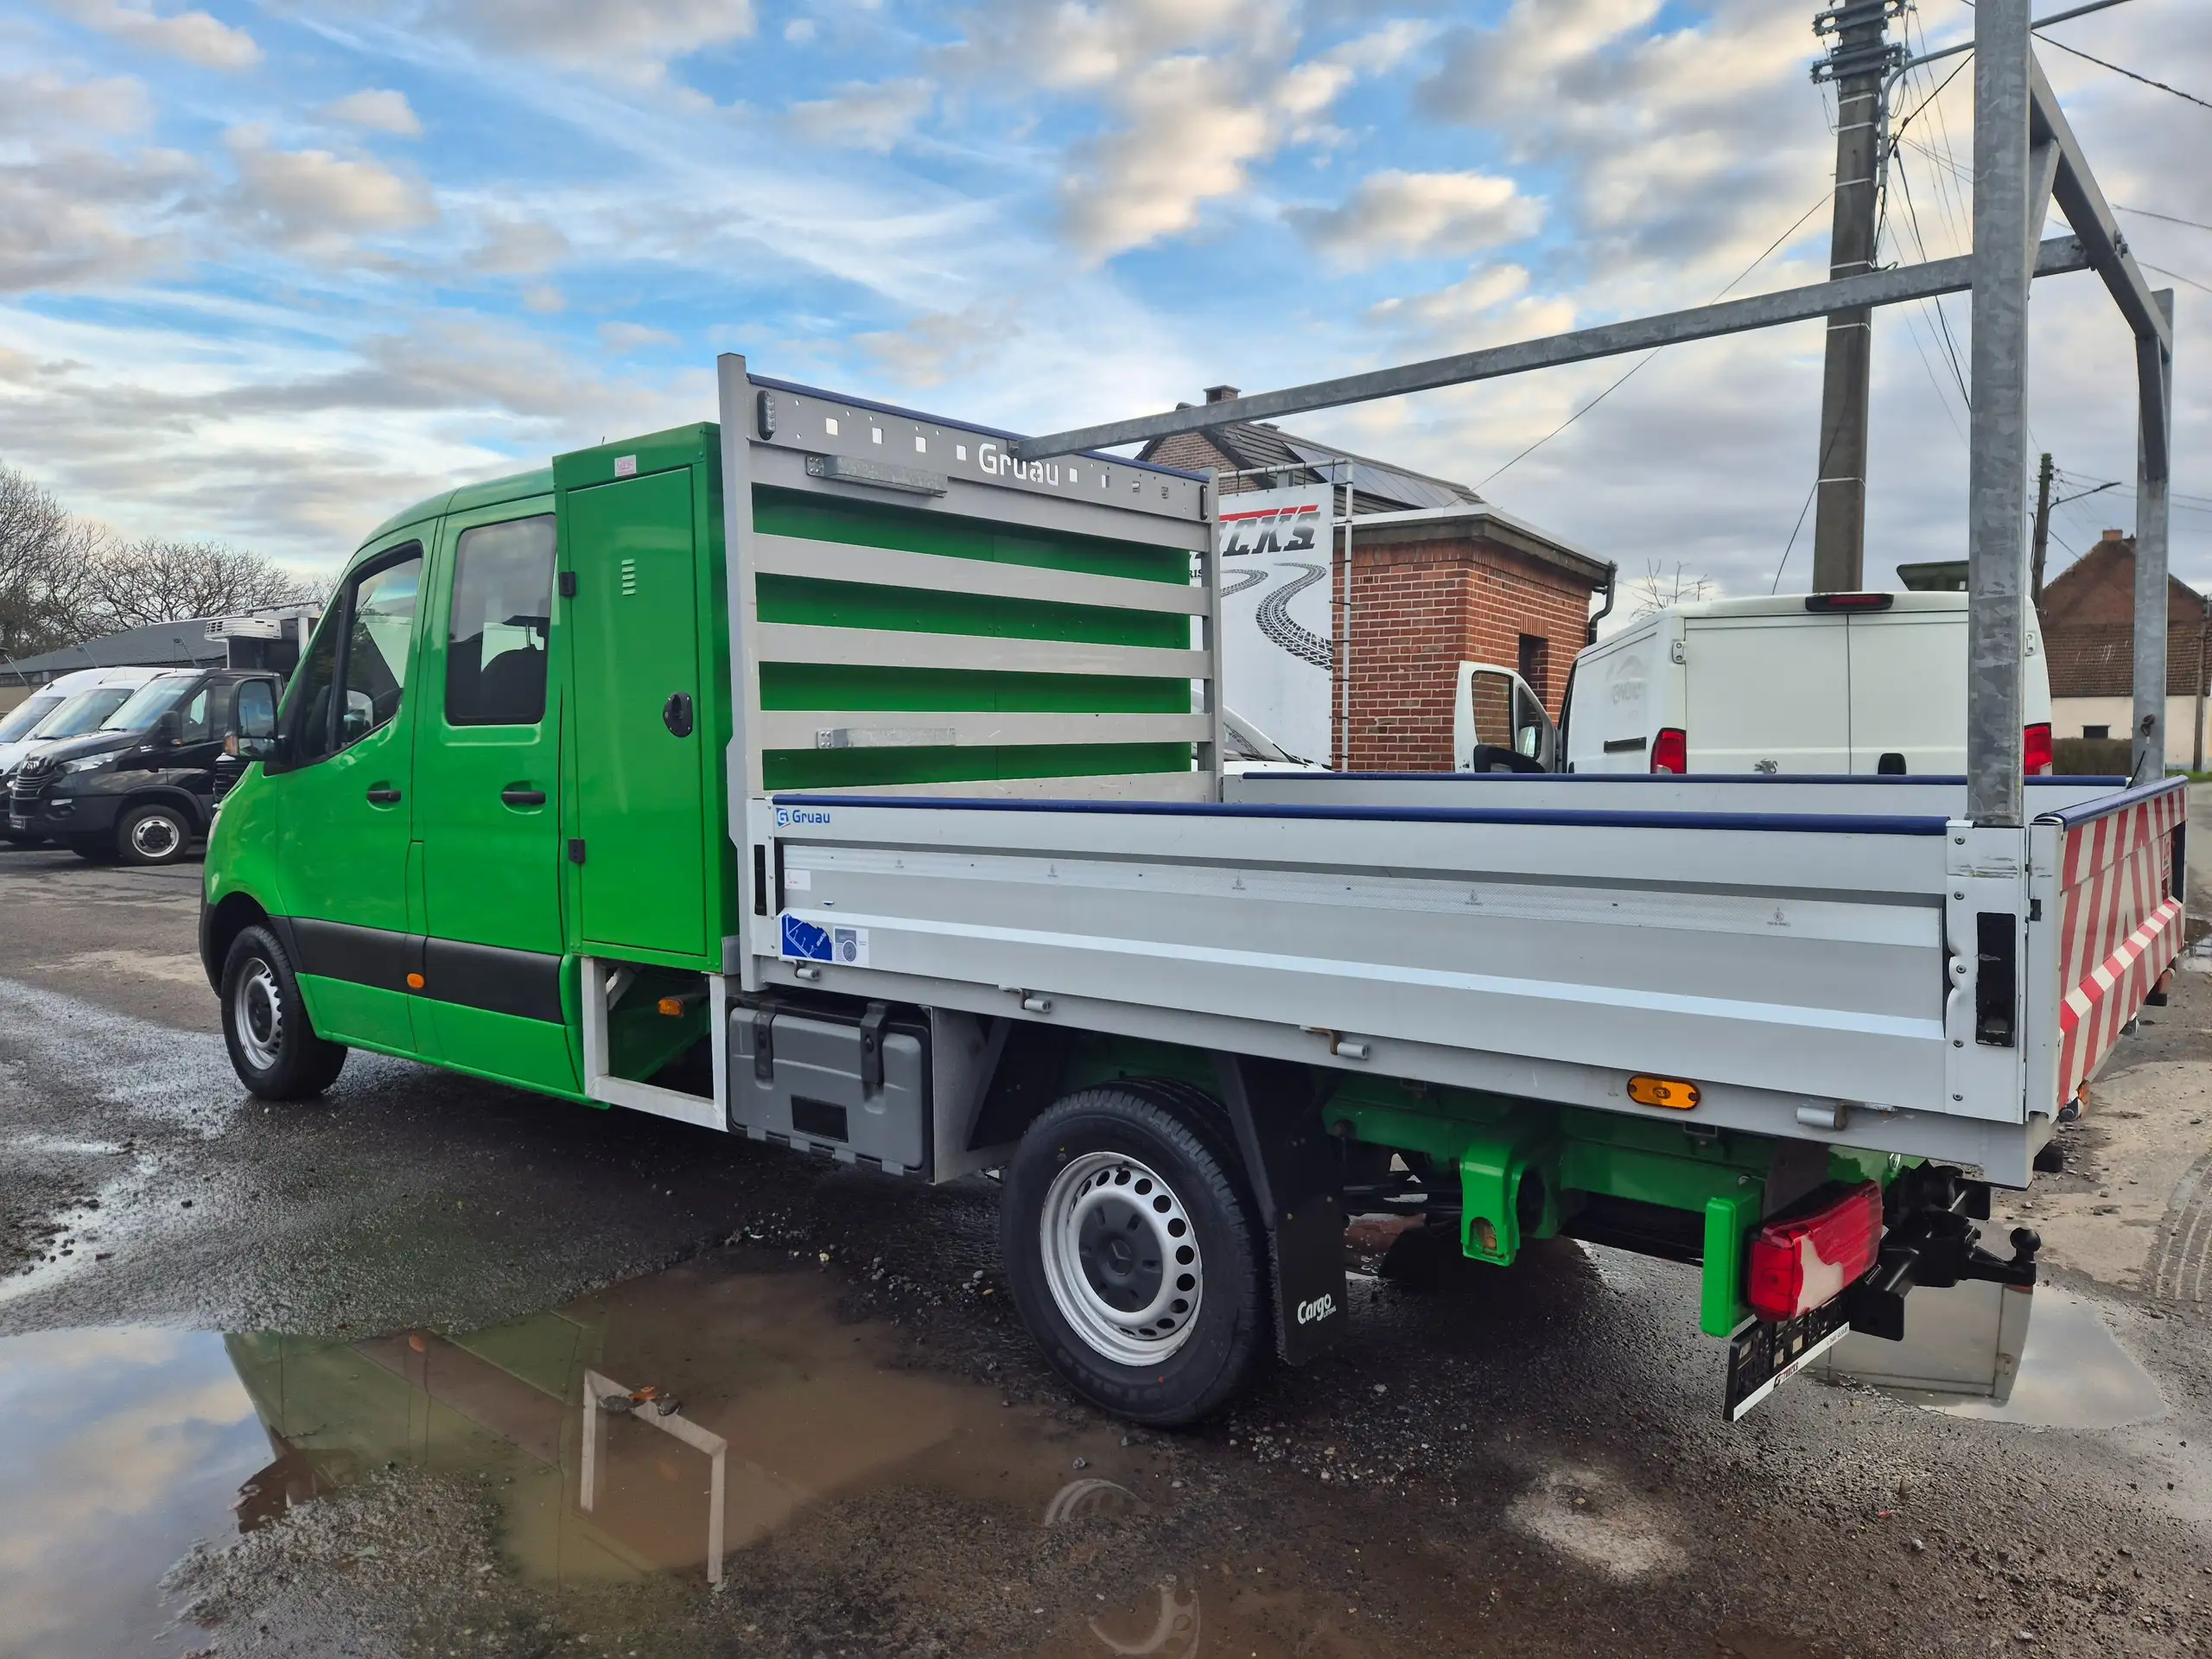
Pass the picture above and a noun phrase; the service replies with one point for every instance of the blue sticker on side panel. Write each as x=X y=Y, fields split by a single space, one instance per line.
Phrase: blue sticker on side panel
x=804 y=941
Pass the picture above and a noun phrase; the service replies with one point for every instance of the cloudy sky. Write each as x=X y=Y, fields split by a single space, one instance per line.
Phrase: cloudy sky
x=270 y=271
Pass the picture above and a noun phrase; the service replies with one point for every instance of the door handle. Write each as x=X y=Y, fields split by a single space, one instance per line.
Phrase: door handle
x=383 y=795
x=676 y=715
x=522 y=794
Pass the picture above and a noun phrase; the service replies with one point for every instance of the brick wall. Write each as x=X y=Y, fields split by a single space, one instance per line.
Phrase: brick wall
x=1419 y=609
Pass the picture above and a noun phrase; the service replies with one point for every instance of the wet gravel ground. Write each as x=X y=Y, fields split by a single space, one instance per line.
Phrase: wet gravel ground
x=1521 y=1462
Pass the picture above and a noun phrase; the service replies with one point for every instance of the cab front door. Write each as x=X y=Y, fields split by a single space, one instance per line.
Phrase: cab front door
x=345 y=789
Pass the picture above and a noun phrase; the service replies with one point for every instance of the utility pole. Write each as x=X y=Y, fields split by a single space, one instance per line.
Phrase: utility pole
x=1860 y=57
x=2043 y=528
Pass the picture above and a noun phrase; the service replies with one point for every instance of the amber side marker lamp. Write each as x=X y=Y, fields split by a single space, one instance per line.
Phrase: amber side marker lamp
x=1676 y=1094
x=414 y=981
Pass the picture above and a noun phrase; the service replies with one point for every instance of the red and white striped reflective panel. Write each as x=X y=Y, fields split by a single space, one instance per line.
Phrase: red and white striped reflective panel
x=2117 y=930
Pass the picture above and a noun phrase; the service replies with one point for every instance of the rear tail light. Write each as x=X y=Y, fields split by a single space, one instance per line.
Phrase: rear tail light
x=2035 y=749
x=1801 y=1263
x=1670 y=750
x=1849 y=602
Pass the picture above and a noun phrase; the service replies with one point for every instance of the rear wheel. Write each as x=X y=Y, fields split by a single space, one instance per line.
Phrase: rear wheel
x=1133 y=1255
x=155 y=834
x=274 y=1050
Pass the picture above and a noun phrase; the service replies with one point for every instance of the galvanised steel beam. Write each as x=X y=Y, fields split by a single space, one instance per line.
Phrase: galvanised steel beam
x=2083 y=203
x=1997 y=447
x=2054 y=257
x=2155 y=369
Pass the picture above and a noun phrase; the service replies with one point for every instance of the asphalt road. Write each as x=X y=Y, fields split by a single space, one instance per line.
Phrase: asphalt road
x=328 y=1361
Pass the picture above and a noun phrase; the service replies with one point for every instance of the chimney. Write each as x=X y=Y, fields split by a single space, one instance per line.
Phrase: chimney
x=2115 y=535
x=1221 y=394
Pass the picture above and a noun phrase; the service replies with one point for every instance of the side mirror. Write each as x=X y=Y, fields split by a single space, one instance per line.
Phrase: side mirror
x=251 y=748
x=256 y=712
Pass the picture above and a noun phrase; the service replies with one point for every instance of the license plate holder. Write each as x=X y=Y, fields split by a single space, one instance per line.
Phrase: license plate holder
x=1763 y=1354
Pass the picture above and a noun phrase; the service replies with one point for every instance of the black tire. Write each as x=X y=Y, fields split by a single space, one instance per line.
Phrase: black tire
x=273 y=1049
x=1157 y=1375
x=156 y=833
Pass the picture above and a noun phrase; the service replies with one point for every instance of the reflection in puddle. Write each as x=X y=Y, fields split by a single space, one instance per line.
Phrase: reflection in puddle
x=2073 y=1373
x=118 y=1449
x=1169 y=1628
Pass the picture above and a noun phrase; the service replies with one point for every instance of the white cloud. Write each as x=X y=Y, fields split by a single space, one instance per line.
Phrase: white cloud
x=380 y=111
x=313 y=203
x=799 y=30
x=544 y=299
x=932 y=349
x=632 y=336
x=864 y=116
x=77 y=215
x=1408 y=215
x=193 y=35
x=635 y=41
x=46 y=104
x=517 y=247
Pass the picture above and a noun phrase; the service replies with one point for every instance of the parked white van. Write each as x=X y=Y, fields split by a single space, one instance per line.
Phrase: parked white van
x=1824 y=683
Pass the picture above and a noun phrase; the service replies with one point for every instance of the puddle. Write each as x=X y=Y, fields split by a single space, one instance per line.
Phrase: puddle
x=2073 y=1373
x=655 y=1432
x=118 y=1449
x=1961 y=1343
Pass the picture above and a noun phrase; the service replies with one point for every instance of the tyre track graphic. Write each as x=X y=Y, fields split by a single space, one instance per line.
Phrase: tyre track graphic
x=2181 y=1265
x=1244 y=579
x=1274 y=616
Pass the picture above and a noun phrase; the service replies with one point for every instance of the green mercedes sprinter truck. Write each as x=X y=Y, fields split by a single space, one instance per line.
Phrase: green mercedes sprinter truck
x=830 y=775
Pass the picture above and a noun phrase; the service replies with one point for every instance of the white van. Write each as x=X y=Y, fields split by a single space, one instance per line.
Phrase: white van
x=1824 y=683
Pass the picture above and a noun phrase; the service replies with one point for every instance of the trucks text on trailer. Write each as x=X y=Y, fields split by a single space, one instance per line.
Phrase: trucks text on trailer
x=851 y=779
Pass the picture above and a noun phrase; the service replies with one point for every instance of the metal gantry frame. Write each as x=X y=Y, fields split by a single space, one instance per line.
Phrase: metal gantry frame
x=2025 y=156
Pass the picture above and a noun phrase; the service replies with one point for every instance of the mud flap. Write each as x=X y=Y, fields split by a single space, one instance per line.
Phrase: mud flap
x=1296 y=1172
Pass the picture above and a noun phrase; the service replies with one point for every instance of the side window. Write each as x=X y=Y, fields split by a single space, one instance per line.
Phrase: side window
x=256 y=708
x=312 y=687
x=381 y=616
x=495 y=640
x=193 y=717
x=349 y=683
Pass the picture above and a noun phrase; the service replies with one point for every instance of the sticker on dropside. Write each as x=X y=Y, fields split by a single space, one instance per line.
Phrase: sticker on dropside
x=806 y=941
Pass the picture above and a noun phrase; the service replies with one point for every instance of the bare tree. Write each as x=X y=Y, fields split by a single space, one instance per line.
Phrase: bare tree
x=159 y=581
x=1658 y=589
x=46 y=559
x=64 y=579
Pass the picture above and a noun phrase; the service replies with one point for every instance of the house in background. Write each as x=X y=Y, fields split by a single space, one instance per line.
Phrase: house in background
x=1438 y=577
x=2089 y=638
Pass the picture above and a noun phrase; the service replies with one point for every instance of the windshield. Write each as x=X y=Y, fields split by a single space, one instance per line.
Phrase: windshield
x=83 y=713
x=28 y=715
x=149 y=703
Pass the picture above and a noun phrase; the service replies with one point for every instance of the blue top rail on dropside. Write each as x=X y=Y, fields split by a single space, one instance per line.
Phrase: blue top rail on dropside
x=1826 y=823
x=2090 y=811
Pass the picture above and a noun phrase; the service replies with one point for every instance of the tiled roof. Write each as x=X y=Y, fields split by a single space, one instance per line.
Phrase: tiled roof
x=2097 y=659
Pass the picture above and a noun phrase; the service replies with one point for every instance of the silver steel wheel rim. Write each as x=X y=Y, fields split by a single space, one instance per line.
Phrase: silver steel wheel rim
x=1121 y=1258
x=257 y=1015
x=154 y=836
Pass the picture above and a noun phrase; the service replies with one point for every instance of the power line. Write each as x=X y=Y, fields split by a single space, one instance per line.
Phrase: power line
x=2176 y=274
x=1776 y=586
x=1648 y=356
x=2077 y=52
x=2193 y=225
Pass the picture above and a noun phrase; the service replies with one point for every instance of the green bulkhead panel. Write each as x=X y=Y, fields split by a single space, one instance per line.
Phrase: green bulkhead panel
x=644 y=804
x=907 y=600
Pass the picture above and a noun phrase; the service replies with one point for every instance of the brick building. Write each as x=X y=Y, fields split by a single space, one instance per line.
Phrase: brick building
x=1438 y=577
x=2087 y=613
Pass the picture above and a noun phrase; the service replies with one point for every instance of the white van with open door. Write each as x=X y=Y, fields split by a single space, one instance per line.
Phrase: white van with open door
x=1824 y=684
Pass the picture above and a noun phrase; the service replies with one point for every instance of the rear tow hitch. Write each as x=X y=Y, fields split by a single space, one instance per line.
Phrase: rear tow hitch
x=1931 y=1240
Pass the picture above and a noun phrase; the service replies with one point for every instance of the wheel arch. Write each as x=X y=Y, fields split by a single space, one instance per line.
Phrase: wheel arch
x=183 y=800
x=220 y=923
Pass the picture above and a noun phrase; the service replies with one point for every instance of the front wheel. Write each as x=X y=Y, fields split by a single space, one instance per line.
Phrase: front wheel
x=1132 y=1253
x=274 y=1050
x=156 y=834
